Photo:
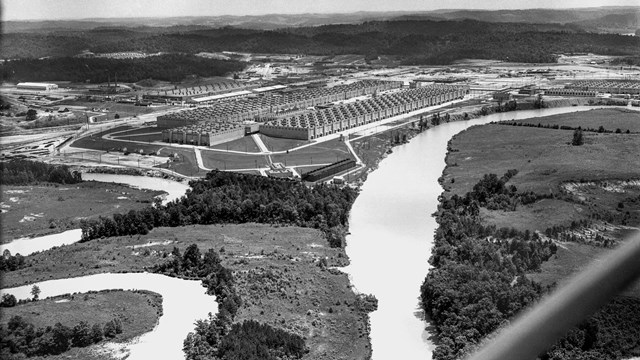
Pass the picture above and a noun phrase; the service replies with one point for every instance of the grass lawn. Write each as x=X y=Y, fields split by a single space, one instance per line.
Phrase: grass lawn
x=277 y=272
x=98 y=143
x=138 y=311
x=149 y=137
x=187 y=165
x=246 y=144
x=323 y=153
x=280 y=144
x=610 y=119
x=45 y=209
x=229 y=161
x=139 y=130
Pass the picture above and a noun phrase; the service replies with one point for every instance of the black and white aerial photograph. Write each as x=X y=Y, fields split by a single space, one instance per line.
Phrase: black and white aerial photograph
x=319 y=180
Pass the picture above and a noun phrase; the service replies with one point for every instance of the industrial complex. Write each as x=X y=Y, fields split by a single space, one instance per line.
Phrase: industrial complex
x=301 y=114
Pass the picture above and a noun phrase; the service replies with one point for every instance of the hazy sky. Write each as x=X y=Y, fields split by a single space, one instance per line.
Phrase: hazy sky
x=79 y=9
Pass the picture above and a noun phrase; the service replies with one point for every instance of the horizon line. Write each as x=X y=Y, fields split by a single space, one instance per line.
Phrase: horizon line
x=309 y=13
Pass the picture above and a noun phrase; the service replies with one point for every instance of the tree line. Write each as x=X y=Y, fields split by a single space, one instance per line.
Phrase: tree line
x=416 y=41
x=167 y=67
x=24 y=172
x=227 y=197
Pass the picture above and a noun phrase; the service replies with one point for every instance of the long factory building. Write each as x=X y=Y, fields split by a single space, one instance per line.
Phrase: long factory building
x=267 y=105
x=608 y=86
x=313 y=124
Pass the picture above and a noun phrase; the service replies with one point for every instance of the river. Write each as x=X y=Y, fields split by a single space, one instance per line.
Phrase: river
x=183 y=302
x=391 y=234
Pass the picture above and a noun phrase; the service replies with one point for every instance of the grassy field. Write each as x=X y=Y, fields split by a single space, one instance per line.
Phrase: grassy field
x=230 y=161
x=138 y=131
x=610 y=119
x=544 y=157
x=277 y=269
x=545 y=161
x=187 y=165
x=138 y=311
x=245 y=144
x=280 y=144
x=323 y=153
x=97 y=143
x=148 y=137
x=39 y=210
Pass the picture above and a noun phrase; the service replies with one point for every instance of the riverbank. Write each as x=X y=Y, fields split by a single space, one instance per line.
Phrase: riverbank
x=564 y=227
x=283 y=274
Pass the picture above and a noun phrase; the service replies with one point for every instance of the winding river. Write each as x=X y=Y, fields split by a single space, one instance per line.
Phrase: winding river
x=392 y=233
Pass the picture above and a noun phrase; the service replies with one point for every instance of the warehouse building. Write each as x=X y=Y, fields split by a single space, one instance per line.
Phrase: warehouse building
x=630 y=87
x=36 y=86
x=204 y=134
x=271 y=103
x=570 y=92
x=311 y=125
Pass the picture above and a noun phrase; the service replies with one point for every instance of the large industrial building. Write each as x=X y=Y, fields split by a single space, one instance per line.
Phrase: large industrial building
x=608 y=86
x=36 y=86
x=272 y=104
x=311 y=125
x=212 y=125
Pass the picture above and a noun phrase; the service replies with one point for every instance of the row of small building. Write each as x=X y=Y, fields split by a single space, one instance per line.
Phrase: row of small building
x=250 y=108
x=313 y=124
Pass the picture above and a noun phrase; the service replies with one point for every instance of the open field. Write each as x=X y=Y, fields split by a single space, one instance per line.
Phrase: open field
x=609 y=119
x=544 y=157
x=278 y=274
x=138 y=311
x=245 y=144
x=281 y=144
x=113 y=108
x=146 y=137
x=98 y=143
x=323 y=153
x=230 y=161
x=137 y=131
x=596 y=181
x=45 y=209
x=186 y=165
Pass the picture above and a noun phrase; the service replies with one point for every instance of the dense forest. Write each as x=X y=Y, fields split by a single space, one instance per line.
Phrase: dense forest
x=415 y=41
x=169 y=67
x=24 y=172
x=226 y=197
x=478 y=280
x=20 y=339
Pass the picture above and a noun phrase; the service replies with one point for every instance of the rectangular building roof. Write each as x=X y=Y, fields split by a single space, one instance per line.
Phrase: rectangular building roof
x=269 y=88
x=221 y=96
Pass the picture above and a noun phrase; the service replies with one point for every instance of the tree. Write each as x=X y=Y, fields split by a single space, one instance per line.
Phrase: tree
x=31 y=114
x=8 y=300
x=35 y=292
x=82 y=335
x=578 y=138
x=116 y=116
